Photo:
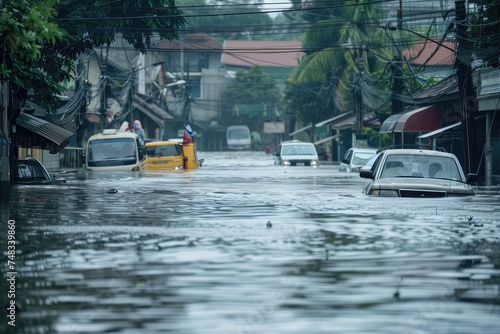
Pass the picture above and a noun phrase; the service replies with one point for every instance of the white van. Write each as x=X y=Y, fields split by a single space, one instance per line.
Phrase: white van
x=115 y=150
x=296 y=152
x=238 y=137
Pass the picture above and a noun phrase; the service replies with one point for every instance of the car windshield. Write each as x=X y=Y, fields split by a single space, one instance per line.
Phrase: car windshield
x=361 y=158
x=298 y=149
x=424 y=166
x=238 y=134
x=112 y=152
x=27 y=170
x=163 y=150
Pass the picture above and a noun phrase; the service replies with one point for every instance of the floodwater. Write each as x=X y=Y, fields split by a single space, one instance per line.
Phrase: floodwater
x=243 y=246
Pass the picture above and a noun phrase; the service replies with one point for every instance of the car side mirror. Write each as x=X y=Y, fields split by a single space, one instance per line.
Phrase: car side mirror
x=186 y=159
x=345 y=161
x=471 y=178
x=366 y=173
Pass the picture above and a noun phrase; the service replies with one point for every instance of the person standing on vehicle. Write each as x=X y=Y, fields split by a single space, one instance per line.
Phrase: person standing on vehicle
x=139 y=130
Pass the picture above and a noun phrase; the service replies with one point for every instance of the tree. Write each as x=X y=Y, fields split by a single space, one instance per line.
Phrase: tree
x=251 y=87
x=29 y=60
x=43 y=38
x=95 y=23
x=235 y=20
x=347 y=59
x=484 y=28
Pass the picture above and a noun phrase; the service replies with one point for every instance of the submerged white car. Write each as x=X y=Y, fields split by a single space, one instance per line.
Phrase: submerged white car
x=416 y=173
x=355 y=158
x=296 y=152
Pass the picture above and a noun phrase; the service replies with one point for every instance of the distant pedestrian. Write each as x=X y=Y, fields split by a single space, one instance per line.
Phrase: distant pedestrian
x=139 y=130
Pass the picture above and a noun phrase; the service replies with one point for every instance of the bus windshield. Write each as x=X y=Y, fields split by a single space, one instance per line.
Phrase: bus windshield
x=238 y=137
x=241 y=133
x=112 y=152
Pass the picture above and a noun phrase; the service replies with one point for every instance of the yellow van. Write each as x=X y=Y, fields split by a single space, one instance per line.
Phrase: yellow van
x=164 y=155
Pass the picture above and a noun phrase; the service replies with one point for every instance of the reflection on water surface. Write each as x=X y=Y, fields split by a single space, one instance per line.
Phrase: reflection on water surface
x=192 y=252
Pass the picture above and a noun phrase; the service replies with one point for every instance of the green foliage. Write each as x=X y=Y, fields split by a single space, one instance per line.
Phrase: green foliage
x=24 y=28
x=344 y=42
x=484 y=28
x=29 y=36
x=95 y=23
x=235 y=21
x=43 y=38
x=250 y=87
x=307 y=101
x=380 y=139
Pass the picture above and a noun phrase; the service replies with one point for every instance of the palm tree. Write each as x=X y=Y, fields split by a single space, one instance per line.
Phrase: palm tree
x=347 y=58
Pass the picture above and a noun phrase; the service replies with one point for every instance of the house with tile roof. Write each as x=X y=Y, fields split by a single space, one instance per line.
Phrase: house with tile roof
x=431 y=58
x=438 y=115
x=194 y=59
x=208 y=65
x=276 y=58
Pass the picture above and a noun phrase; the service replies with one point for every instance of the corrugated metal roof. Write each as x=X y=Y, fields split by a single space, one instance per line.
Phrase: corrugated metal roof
x=348 y=120
x=43 y=128
x=444 y=90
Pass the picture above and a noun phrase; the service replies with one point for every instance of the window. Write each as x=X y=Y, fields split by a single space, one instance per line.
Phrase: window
x=194 y=87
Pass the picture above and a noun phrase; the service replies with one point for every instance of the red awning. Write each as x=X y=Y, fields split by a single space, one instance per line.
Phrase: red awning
x=424 y=119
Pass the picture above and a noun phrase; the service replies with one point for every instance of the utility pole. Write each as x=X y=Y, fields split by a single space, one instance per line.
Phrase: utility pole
x=358 y=102
x=5 y=144
x=104 y=101
x=397 y=72
x=466 y=94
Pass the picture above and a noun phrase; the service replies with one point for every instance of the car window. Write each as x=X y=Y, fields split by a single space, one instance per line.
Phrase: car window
x=394 y=167
x=111 y=148
x=24 y=172
x=289 y=150
x=347 y=156
x=29 y=170
x=361 y=158
x=163 y=151
x=373 y=161
x=425 y=166
x=444 y=168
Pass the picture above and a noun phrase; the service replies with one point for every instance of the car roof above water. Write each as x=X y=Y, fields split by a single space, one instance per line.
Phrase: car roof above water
x=416 y=151
x=295 y=141
x=162 y=143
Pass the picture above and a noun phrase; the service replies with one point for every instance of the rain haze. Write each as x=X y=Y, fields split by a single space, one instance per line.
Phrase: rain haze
x=244 y=246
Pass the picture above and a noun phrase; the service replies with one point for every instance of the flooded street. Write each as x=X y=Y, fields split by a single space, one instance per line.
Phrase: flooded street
x=243 y=246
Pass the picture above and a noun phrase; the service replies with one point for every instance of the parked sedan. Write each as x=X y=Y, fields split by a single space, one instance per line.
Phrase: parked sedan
x=416 y=173
x=31 y=171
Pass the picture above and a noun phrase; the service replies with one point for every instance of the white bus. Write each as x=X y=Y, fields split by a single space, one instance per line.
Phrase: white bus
x=115 y=150
x=238 y=137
